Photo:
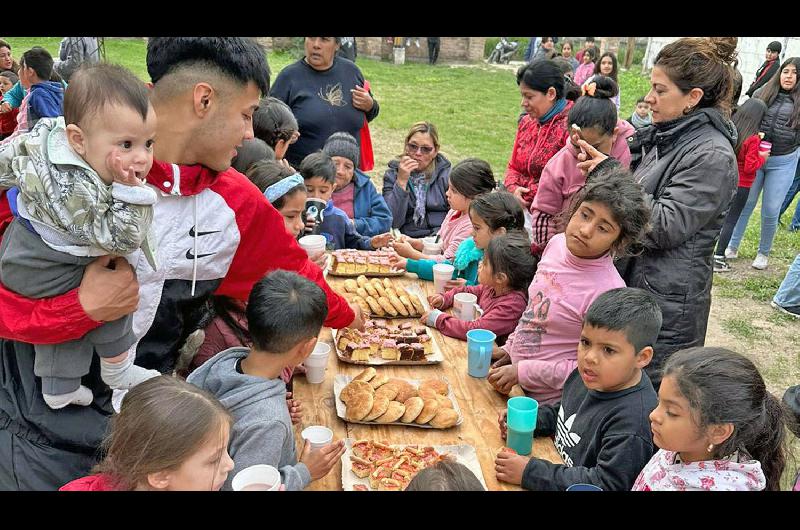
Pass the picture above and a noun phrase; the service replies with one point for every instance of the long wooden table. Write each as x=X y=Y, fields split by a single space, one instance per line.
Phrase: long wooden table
x=479 y=403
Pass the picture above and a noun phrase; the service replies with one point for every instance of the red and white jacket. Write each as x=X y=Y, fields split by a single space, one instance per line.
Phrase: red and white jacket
x=215 y=233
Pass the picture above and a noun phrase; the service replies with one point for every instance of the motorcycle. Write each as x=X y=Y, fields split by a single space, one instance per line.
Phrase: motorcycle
x=503 y=51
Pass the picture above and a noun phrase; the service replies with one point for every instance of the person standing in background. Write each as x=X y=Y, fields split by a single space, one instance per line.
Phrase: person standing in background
x=434 y=43
x=73 y=52
x=768 y=68
x=347 y=48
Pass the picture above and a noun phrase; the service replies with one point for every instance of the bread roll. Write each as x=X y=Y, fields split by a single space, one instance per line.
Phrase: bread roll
x=437 y=385
x=390 y=292
x=387 y=306
x=371 y=290
x=379 y=406
x=427 y=393
x=359 y=405
x=354 y=387
x=366 y=375
x=387 y=283
x=362 y=281
x=413 y=408
x=417 y=304
x=379 y=287
x=393 y=413
x=398 y=305
x=429 y=410
x=350 y=286
x=409 y=306
x=375 y=307
x=444 y=401
x=362 y=303
x=379 y=380
x=444 y=418
x=362 y=292
x=401 y=291
x=405 y=390
x=388 y=390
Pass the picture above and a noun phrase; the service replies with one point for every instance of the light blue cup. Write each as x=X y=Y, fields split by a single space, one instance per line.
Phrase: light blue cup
x=521 y=421
x=479 y=351
x=584 y=487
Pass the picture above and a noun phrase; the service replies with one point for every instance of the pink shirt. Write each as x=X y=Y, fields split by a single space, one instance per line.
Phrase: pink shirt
x=561 y=179
x=343 y=199
x=544 y=344
x=583 y=72
x=500 y=313
x=455 y=228
x=664 y=473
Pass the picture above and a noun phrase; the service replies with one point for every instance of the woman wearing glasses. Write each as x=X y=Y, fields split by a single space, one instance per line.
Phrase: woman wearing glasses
x=416 y=182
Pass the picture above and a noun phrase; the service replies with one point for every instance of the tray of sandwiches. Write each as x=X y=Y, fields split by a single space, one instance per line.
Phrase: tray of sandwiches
x=374 y=399
x=385 y=298
x=350 y=262
x=377 y=466
x=383 y=343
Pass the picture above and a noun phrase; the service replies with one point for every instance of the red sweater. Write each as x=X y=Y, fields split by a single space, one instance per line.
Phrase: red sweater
x=100 y=482
x=534 y=146
x=749 y=161
x=8 y=122
x=500 y=313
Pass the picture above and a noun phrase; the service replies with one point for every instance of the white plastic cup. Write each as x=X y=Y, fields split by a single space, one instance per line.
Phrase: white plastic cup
x=464 y=306
x=314 y=245
x=442 y=273
x=430 y=246
x=260 y=477
x=318 y=435
x=317 y=362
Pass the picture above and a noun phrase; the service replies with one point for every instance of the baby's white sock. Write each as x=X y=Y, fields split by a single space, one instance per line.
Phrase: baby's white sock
x=124 y=375
x=83 y=397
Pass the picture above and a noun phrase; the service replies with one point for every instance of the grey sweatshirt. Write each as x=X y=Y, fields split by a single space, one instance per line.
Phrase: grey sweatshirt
x=262 y=432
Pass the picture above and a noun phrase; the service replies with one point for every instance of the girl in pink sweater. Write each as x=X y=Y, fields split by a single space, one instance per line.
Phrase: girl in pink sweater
x=577 y=266
x=469 y=178
x=596 y=116
x=504 y=275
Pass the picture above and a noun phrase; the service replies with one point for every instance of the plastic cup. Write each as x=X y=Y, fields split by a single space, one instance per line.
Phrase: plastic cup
x=318 y=435
x=764 y=146
x=317 y=362
x=442 y=272
x=314 y=245
x=430 y=246
x=522 y=412
x=464 y=305
x=479 y=351
x=584 y=487
x=260 y=477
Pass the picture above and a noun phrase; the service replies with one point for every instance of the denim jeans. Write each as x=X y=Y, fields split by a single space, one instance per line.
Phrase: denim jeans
x=788 y=294
x=793 y=190
x=775 y=177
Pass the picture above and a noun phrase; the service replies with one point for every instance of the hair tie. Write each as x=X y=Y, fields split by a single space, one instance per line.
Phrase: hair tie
x=589 y=89
x=280 y=188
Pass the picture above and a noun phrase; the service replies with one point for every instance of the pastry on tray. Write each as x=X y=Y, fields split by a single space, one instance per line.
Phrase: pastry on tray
x=390 y=468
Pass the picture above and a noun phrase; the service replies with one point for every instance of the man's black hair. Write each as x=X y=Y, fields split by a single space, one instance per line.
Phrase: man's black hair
x=318 y=164
x=630 y=310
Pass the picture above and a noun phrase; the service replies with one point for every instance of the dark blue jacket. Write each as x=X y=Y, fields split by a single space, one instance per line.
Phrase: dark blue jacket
x=340 y=232
x=46 y=100
x=372 y=215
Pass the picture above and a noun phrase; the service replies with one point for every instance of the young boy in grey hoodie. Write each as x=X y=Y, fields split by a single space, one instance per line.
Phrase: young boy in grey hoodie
x=285 y=313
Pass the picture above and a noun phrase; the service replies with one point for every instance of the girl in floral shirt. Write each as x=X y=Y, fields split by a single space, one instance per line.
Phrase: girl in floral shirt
x=717 y=426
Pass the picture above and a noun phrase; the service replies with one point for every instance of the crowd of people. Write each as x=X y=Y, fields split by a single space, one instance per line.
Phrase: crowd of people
x=162 y=223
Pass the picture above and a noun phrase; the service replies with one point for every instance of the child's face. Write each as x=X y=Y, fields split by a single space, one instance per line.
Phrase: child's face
x=591 y=231
x=292 y=212
x=481 y=232
x=673 y=423
x=27 y=77
x=345 y=169
x=5 y=85
x=281 y=146
x=319 y=188
x=566 y=50
x=207 y=469
x=457 y=201
x=485 y=273
x=116 y=131
x=587 y=58
x=643 y=109
x=607 y=361
x=596 y=137
x=606 y=66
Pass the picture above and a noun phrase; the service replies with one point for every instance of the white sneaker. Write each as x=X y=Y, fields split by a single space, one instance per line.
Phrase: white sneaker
x=731 y=253
x=760 y=262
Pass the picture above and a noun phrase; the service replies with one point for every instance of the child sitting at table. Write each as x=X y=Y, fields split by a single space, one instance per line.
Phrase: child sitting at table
x=601 y=426
x=491 y=214
x=717 y=426
x=504 y=276
x=285 y=313
x=446 y=475
x=608 y=215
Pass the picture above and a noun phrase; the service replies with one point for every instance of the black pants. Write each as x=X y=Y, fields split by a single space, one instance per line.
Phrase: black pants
x=737 y=205
x=433 y=51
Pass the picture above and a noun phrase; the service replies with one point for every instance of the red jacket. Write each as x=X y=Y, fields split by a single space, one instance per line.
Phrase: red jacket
x=8 y=122
x=100 y=482
x=534 y=146
x=200 y=214
x=749 y=161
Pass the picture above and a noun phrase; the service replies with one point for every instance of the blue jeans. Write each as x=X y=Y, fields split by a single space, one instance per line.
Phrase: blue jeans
x=793 y=190
x=788 y=294
x=775 y=177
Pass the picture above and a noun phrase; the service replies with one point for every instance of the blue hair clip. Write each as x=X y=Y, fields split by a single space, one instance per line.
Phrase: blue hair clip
x=280 y=188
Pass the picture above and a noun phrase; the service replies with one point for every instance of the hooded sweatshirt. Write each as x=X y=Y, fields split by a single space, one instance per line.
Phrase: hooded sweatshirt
x=665 y=472
x=262 y=432
x=561 y=179
x=101 y=482
x=46 y=100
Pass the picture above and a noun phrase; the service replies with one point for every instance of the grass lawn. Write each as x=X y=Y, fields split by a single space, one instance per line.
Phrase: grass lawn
x=476 y=108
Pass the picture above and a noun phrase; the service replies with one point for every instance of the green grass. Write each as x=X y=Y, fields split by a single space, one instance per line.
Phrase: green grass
x=743 y=328
x=760 y=288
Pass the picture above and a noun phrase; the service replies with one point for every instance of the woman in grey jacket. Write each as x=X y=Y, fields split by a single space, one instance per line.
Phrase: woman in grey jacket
x=781 y=127
x=686 y=164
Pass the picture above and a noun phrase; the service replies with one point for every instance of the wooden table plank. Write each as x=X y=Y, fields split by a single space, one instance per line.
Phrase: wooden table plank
x=479 y=403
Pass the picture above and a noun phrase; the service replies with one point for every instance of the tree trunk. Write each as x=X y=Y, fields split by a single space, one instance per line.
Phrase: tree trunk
x=629 y=52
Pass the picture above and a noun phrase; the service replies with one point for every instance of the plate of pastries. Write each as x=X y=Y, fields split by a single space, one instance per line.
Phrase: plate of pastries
x=385 y=298
x=382 y=342
x=377 y=466
x=376 y=399
x=350 y=262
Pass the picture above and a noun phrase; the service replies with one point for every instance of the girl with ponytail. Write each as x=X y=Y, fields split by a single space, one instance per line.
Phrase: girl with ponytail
x=717 y=426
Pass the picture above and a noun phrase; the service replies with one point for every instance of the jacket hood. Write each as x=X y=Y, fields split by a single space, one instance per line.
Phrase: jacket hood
x=218 y=375
x=51 y=87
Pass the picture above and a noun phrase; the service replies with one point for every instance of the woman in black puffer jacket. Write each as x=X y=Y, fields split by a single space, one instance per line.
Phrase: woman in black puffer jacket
x=781 y=126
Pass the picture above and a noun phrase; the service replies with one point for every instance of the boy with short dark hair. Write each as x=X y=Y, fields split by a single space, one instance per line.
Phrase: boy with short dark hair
x=319 y=172
x=285 y=313
x=641 y=116
x=602 y=424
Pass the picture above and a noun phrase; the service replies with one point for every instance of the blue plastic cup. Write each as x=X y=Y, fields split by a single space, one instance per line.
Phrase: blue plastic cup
x=521 y=420
x=584 y=487
x=480 y=343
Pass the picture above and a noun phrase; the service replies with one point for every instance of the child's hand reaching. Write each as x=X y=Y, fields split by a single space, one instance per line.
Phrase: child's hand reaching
x=120 y=174
x=403 y=248
x=295 y=409
x=381 y=240
x=509 y=467
x=503 y=378
x=397 y=262
x=321 y=461
x=436 y=301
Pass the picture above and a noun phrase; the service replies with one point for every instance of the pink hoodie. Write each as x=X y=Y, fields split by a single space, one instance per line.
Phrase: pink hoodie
x=544 y=345
x=455 y=228
x=736 y=473
x=561 y=178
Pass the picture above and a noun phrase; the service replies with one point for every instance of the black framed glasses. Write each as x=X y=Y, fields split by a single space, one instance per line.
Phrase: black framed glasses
x=424 y=149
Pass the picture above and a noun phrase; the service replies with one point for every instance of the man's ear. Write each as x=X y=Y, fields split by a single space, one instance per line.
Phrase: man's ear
x=644 y=357
x=203 y=98
x=76 y=139
x=159 y=480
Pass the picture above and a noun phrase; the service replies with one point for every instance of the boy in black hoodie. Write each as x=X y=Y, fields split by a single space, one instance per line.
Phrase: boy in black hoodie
x=602 y=424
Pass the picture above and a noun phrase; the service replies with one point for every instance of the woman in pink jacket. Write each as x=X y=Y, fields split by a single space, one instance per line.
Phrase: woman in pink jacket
x=596 y=116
